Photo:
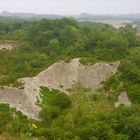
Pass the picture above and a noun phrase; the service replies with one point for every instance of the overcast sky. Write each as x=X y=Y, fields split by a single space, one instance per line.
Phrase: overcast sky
x=68 y=7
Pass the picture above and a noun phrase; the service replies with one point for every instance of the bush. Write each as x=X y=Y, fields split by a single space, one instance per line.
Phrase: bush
x=53 y=102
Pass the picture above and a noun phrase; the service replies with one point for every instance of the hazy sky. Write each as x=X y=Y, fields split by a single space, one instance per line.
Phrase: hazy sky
x=66 y=7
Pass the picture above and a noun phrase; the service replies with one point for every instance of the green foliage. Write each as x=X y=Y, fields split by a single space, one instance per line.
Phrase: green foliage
x=133 y=92
x=113 y=86
x=53 y=103
x=88 y=60
x=85 y=114
x=86 y=119
x=44 y=42
x=12 y=121
x=130 y=74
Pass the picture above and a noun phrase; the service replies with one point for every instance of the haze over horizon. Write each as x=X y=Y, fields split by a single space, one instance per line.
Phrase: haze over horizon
x=72 y=7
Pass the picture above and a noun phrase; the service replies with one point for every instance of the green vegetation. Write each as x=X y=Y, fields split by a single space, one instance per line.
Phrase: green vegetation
x=130 y=74
x=53 y=103
x=47 y=41
x=85 y=114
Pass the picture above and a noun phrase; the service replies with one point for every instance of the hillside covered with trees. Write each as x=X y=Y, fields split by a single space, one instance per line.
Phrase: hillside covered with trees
x=85 y=114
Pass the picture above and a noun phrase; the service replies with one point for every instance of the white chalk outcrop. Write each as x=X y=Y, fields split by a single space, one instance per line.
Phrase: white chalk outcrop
x=7 y=46
x=61 y=76
x=123 y=99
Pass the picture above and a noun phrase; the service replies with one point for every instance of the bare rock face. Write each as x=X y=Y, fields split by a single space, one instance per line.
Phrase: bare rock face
x=61 y=76
x=123 y=99
x=17 y=98
x=7 y=46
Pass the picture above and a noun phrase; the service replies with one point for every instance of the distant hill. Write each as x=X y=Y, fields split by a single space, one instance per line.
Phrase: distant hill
x=28 y=15
x=81 y=17
x=86 y=16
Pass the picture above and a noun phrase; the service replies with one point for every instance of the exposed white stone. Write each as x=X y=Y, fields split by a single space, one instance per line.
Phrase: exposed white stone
x=123 y=99
x=61 y=76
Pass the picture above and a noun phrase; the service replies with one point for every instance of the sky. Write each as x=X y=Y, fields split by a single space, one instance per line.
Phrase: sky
x=71 y=7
